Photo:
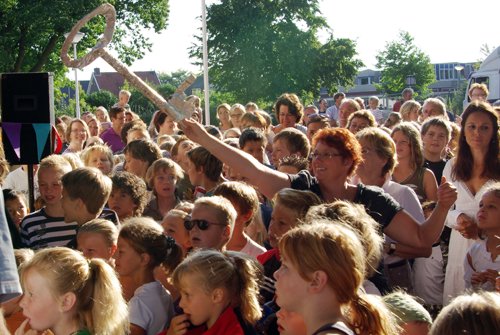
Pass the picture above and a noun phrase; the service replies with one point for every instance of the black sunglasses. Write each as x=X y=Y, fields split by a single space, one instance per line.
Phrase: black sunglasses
x=202 y=224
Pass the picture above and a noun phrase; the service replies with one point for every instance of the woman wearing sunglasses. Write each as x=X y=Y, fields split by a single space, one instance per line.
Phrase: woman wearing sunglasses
x=336 y=154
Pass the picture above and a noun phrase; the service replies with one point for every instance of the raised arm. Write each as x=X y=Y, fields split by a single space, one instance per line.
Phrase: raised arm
x=267 y=180
x=405 y=229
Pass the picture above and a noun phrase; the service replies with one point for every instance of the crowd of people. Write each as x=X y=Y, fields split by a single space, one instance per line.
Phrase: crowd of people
x=334 y=220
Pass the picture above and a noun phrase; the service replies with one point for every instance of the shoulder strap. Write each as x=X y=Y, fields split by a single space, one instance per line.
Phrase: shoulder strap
x=334 y=326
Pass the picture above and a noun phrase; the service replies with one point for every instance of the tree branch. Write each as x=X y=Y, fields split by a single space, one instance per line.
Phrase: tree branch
x=44 y=56
x=21 y=50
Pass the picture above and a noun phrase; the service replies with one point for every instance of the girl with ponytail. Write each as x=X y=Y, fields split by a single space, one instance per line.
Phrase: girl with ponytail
x=323 y=268
x=68 y=294
x=219 y=293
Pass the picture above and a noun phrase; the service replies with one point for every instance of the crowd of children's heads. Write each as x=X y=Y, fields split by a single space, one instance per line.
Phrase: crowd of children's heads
x=322 y=255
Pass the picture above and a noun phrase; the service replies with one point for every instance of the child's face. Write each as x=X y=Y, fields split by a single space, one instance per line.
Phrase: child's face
x=121 y=202
x=50 y=186
x=70 y=207
x=256 y=149
x=101 y=161
x=39 y=304
x=282 y=220
x=290 y=323
x=123 y=99
x=16 y=209
x=373 y=104
x=357 y=124
x=164 y=183
x=402 y=141
x=127 y=260
x=291 y=288
x=135 y=166
x=94 y=245
x=173 y=226
x=100 y=116
x=195 y=302
x=194 y=174
x=215 y=236
x=434 y=140
x=280 y=150
x=489 y=212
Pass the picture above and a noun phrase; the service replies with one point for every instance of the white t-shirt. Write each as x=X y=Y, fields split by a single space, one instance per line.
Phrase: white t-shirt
x=481 y=261
x=252 y=248
x=151 y=308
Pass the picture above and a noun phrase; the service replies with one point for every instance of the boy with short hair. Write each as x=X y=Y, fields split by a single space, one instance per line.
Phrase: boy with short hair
x=139 y=155
x=246 y=203
x=436 y=134
x=85 y=192
x=287 y=142
x=129 y=195
x=47 y=227
x=253 y=142
x=212 y=223
x=123 y=99
x=204 y=170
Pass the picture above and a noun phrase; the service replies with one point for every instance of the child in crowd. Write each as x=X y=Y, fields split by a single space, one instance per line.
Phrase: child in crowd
x=373 y=103
x=173 y=226
x=123 y=99
x=11 y=310
x=15 y=206
x=245 y=201
x=85 y=192
x=290 y=207
x=204 y=170
x=253 y=142
x=162 y=177
x=47 y=226
x=68 y=294
x=315 y=124
x=98 y=239
x=139 y=155
x=293 y=164
x=435 y=137
x=287 y=142
x=100 y=157
x=469 y=314
x=212 y=223
x=482 y=262
x=142 y=247
x=322 y=270
x=129 y=195
x=411 y=316
x=219 y=293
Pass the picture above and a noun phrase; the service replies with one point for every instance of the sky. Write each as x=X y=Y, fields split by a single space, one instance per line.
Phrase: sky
x=446 y=30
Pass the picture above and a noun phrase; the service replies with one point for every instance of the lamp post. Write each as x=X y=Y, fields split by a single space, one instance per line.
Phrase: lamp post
x=458 y=68
x=76 y=39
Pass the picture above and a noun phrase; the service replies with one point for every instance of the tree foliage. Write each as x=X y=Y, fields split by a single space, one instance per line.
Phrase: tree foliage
x=102 y=98
x=259 y=49
x=32 y=32
x=174 y=78
x=142 y=106
x=401 y=59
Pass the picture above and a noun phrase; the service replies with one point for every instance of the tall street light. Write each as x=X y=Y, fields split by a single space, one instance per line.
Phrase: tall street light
x=76 y=39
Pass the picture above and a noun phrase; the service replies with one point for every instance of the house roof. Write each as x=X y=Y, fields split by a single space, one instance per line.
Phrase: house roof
x=113 y=81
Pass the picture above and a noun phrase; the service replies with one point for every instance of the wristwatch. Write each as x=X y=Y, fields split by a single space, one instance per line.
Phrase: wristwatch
x=392 y=248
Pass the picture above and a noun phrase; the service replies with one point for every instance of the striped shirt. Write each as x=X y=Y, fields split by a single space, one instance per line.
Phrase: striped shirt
x=38 y=230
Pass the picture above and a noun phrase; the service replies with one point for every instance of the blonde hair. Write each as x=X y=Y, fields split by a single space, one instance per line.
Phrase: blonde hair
x=408 y=107
x=353 y=216
x=222 y=207
x=297 y=201
x=104 y=227
x=146 y=236
x=100 y=307
x=477 y=313
x=161 y=165
x=337 y=252
x=383 y=145
x=101 y=148
x=56 y=162
x=236 y=273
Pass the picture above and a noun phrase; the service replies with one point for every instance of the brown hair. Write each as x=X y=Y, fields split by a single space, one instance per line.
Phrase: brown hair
x=294 y=106
x=243 y=197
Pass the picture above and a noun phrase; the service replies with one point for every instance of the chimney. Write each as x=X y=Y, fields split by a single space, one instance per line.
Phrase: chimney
x=97 y=71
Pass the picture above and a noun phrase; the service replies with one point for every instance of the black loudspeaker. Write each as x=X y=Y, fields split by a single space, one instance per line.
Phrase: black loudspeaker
x=27 y=108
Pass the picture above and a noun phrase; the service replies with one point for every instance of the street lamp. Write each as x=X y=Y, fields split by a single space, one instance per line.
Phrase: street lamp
x=458 y=68
x=76 y=39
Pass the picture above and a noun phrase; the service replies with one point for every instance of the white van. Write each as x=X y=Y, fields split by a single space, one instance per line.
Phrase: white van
x=489 y=74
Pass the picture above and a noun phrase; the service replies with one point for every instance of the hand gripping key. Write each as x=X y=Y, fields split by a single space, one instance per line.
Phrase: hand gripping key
x=177 y=106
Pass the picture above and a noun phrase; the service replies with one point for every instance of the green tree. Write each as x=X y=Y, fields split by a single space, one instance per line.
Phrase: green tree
x=259 y=49
x=102 y=98
x=401 y=59
x=32 y=32
x=145 y=108
x=174 y=78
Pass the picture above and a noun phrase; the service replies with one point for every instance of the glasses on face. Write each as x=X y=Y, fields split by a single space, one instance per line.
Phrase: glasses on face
x=202 y=224
x=323 y=156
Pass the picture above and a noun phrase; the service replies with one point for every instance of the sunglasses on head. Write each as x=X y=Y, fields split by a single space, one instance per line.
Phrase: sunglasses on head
x=202 y=224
